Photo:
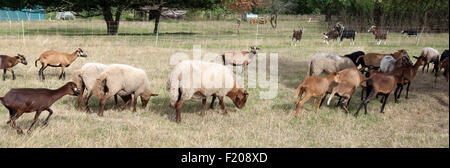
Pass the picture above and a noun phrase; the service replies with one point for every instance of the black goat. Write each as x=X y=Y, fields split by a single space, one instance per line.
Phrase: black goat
x=410 y=32
x=354 y=57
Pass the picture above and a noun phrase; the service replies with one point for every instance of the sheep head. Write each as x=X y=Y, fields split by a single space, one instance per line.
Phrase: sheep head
x=145 y=97
x=239 y=97
x=22 y=59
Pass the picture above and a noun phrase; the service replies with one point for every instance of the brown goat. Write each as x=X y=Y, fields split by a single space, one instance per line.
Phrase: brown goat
x=372 y=60
x=26 y=100
x=379 y=34
x=7 y=62
x=408 y=74
x=57 y=59
x=330 y=35
x=313 y=86
x=444 y=64
x=297 y=36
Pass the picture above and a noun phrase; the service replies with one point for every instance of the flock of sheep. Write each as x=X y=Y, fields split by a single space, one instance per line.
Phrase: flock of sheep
x=377 y=74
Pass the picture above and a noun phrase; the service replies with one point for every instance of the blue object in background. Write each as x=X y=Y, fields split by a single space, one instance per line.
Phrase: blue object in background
x=24 y=14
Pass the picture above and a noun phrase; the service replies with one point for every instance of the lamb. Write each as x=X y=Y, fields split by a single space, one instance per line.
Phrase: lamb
x=26 y=100
x=297 y=36
x=379 y=34
x=242 y=58
x=85 y=79
x=354 y=57
x=7 y=62
x=313 y=86
x=197 y=79
x=431 y=55
x=57 y=59
x=326 y=61
x=122 y=80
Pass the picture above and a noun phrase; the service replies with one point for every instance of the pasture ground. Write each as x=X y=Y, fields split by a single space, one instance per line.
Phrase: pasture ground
x=420 y=121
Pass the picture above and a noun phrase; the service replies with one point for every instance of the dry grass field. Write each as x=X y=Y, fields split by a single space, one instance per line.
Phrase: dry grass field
x=420 y=121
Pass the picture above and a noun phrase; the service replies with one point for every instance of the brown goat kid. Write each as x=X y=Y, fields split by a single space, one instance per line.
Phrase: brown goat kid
x=7 y=62
x=297 y=36
x=379 y=34
x=57 y=59
x=26 y=100
x=240 y=58
x=313 y=86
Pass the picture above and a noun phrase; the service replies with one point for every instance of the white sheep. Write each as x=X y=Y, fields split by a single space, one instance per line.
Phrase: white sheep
x=431 y=55
x=328 y=62
x=197 y=79
x=85 y=79
x=122 y=80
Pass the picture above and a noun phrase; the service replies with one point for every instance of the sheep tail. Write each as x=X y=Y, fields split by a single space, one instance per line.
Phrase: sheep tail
x=35 y=62
x=100 y=87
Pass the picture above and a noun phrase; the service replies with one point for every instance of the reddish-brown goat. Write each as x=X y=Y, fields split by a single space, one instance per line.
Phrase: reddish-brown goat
x=408 y=74
x=26 y=100
x=7 y=62
x=445 y=65
x=57 y=59
x=372 y=60
x=313 y=86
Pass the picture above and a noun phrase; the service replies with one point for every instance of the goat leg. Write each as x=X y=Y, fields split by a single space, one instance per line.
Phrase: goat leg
x=4 y=74
x=14 y=75
x=407 y=89
x=50 y=112
x=384 y=103
x=323 y=99
x=212 y=102
x=36 y=116
x=13 y=122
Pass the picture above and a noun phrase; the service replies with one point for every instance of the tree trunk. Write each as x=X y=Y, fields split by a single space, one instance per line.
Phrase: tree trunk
x=273 y=20
x=158 y=15
x=111 y=24
x=328 y=17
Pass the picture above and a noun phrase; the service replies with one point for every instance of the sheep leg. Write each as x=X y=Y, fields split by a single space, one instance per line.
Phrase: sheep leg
x=4 y=74
x=80 y=97
x=115 y=100
x=134 y=103
x=127 y=100
x=202 y=113
x=300 y=104
x=102 y=105
x=36 y=116
x=222 y=105
x=384 y=102
x=212 y=102
x=86 y=102
x=179 y=105
x=13 y=122
x=50 y=112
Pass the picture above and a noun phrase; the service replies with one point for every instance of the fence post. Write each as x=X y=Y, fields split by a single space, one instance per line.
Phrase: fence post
x=23 y=34
x=256 y=35
x=420 y=35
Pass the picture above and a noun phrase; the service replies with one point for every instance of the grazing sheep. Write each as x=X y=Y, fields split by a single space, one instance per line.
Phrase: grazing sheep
x=239 y=58
x=379 y=34
x=313 y=86
x=354 y=57
x=431 y=55
x=214 y=80
x=122 y=80
x=330 y=62
x=26 y=100
x=297 y=36
x=57 y=59
x=85 y=79
x=7 y=62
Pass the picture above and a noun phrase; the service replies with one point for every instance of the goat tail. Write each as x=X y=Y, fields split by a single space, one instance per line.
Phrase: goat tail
x=100 y=88
x=300 y=90
x=35 y=62
x=331 y=97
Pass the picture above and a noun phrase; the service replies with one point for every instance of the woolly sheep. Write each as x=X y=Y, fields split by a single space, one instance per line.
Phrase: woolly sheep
x=197 y=79
x=431 y=55
x=122 y=80
x=330 y=62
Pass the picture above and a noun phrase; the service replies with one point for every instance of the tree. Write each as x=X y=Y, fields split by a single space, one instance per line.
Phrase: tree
x=245 y=6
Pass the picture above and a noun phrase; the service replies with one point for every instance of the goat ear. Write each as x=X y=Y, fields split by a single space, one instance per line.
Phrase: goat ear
x=415 y=57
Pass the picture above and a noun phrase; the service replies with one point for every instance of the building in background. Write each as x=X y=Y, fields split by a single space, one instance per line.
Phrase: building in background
x=26 y=14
